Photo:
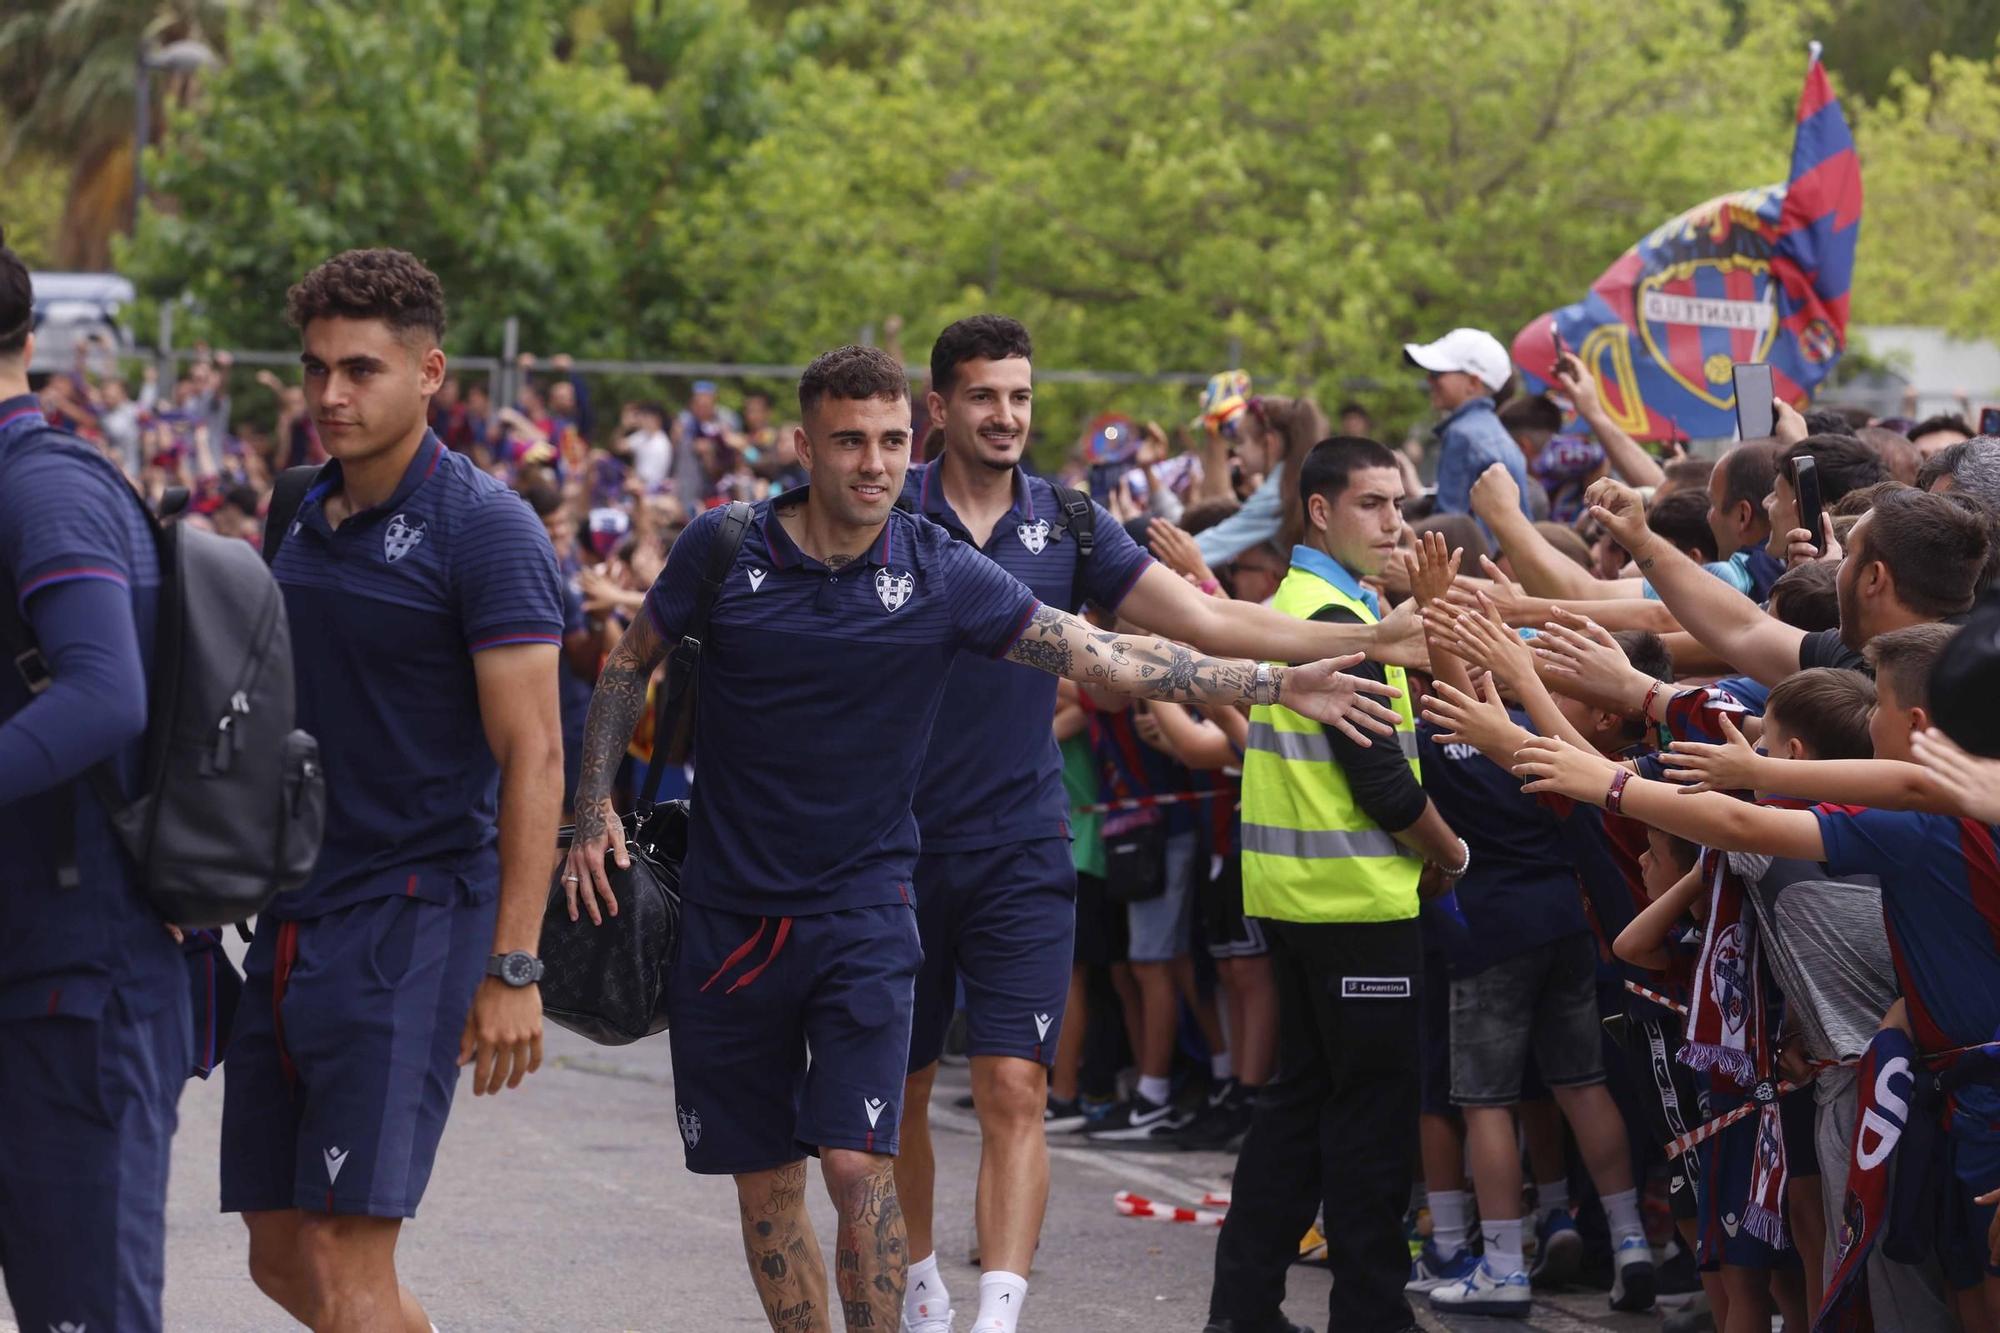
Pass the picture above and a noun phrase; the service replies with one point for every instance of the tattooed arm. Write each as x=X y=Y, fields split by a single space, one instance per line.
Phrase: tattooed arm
x=616 y=706
x=1151 y=668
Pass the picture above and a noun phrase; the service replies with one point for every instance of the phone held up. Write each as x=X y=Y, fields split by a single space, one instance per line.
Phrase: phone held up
x=1805 y=485
x=1756 y=417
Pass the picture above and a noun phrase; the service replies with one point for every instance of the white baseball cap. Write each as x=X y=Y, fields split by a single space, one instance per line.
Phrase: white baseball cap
x=1472 y=351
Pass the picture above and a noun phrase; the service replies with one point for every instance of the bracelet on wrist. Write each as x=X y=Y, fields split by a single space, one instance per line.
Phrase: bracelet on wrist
x=1210 y=586
x=1614 y=799
x=1464 y=863
x=1646 y=708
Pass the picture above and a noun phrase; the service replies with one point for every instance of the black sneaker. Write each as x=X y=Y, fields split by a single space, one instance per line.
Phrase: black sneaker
x=1222 y=1119
x=1676 y=1281
x=1282 y=1325
x=1140 y=1123
x=1060 y=1117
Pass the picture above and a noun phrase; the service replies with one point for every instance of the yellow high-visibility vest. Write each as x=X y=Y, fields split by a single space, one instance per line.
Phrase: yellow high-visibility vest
x=1309 y=853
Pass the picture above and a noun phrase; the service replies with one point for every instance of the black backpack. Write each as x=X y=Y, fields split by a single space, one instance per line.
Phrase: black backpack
x=231 y=801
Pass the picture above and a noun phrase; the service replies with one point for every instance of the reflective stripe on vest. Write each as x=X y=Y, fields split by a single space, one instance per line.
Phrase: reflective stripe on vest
x=1309 y=851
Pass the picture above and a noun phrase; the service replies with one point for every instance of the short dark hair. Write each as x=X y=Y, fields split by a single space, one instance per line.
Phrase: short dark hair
x=1747 y=473
x=1843 y=462
x=390 y=285
x=976 y=338
x=852 y=373
x=1942 y=421
x=1933 y=548
x=1461 y=533
x=1682 y=518
x=1904 y=658
x=17 y=301
x=1691 y=471
x=1647 y=652
x=1827 y=709
x=244 y=498
x=1861 y=500
x=1807 y=596
x=1329 y=464
x=1205 y=514
x=543 y=498
x=1828 y=421
x=1532 y=412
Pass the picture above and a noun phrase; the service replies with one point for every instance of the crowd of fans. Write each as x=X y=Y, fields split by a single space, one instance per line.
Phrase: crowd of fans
x=1652 y=616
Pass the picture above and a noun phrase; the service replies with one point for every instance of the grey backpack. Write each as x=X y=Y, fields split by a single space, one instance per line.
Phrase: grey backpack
x=231 y=802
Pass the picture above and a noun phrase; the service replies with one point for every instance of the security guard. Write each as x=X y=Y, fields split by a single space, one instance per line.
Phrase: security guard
x=1335 y=840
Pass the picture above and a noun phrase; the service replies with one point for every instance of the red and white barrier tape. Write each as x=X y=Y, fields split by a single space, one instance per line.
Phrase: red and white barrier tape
x=1132 y=1205
x=1656 y=998
x=1147 y=802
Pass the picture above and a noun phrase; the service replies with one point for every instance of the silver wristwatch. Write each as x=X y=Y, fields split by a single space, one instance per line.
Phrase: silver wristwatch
x=1263 y=685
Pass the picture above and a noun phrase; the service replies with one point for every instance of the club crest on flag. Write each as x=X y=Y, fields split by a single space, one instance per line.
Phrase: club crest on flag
x=401 y=536
x=894 y=588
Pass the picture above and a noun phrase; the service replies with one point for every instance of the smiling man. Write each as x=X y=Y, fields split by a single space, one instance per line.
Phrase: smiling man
x=426 y=614
x=829 y=644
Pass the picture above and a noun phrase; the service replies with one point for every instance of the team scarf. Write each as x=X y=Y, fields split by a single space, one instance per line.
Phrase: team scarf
x=1728 y=1033
x=1883 y=1086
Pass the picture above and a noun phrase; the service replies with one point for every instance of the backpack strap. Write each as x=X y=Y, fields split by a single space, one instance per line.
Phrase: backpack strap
x=1079 y=516
x=286 y=496
x=673 y=723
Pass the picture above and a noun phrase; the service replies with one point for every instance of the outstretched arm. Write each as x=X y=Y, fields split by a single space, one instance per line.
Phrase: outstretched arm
x=1710 y=819
x=616 y=706
x=1164 y=603
x=1063 y=645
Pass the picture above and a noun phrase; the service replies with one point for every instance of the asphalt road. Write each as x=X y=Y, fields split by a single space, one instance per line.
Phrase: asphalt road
x=564 y=1206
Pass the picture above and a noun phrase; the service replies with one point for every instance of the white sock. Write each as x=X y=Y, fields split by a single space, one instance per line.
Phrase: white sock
x=1001 y=1296
x=1155 y=1090
x=1220 y=1068
x=1448 y=1209
x=1551 y=1195
x=1503 y=1246
x=1621 y=1211
x=924 y=1296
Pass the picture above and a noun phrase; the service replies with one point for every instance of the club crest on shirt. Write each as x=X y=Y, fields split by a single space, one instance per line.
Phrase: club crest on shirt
x=1034 y=536
x=894 y=588
x=401 y=536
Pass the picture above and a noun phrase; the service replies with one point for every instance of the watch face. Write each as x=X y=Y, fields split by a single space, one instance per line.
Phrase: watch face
x=517 y=969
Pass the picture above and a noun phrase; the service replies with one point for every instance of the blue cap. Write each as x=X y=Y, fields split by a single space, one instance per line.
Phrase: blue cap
x=704 y=386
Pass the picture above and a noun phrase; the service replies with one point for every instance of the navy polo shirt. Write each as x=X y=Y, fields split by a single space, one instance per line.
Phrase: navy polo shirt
x=818 y=689
x=386 y=613
x=67 y=514
x=1522 y=891
x=993 y=773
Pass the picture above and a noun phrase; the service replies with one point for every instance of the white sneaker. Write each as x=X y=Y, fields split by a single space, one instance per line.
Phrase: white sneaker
x=929 y=1323
x=1485 y=1292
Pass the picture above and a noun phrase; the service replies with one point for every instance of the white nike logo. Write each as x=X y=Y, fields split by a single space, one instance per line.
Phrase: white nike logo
x=874 y=1109
x=756 y=579
x=1042 y=1022
x=335 y=1159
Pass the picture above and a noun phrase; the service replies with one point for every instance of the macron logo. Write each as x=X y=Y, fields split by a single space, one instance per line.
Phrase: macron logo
x=873 y=1106
x=335 y=1159
x=756 y=579
x=1042 y=1022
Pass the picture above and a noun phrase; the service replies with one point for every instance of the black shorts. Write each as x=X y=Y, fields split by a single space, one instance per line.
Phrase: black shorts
x=1100 y=924
x=1229 y=933
x=1672 y=1100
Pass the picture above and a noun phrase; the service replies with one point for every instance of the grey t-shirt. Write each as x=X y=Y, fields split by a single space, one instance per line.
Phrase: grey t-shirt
x=1828 y=950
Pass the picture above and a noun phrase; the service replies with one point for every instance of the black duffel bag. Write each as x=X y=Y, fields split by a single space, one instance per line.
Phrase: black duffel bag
x=610 y=982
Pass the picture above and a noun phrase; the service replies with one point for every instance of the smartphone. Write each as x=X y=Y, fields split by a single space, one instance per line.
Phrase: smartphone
x=1805 y=485
x=1989 y=421
x=1755 y=417
x=1556 y=341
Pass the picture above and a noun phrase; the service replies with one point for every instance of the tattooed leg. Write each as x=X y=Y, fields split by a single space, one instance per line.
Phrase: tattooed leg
x=872 y=1260
x=784 y=1255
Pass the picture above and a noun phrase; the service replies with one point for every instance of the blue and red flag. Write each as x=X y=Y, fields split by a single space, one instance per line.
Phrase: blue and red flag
x=1758 y=275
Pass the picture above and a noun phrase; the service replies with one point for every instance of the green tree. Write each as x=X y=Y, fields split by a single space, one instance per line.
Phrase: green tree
x=453 y=132
x=1147 y=182
x=1929 y=154
x=68 y=76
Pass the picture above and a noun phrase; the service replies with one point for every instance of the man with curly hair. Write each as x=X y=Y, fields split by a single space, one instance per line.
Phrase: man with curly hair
x=426 y=617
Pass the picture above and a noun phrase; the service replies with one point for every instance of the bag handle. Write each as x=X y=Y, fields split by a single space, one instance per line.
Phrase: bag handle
x=673 y=721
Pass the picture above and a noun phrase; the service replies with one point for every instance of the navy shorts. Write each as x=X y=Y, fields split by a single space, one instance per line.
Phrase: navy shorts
x=1002 y=920
x=790 y=1034
x=344 y=1056
x=1728 y=1164
x=1972 y=1154
x=88 y=1107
